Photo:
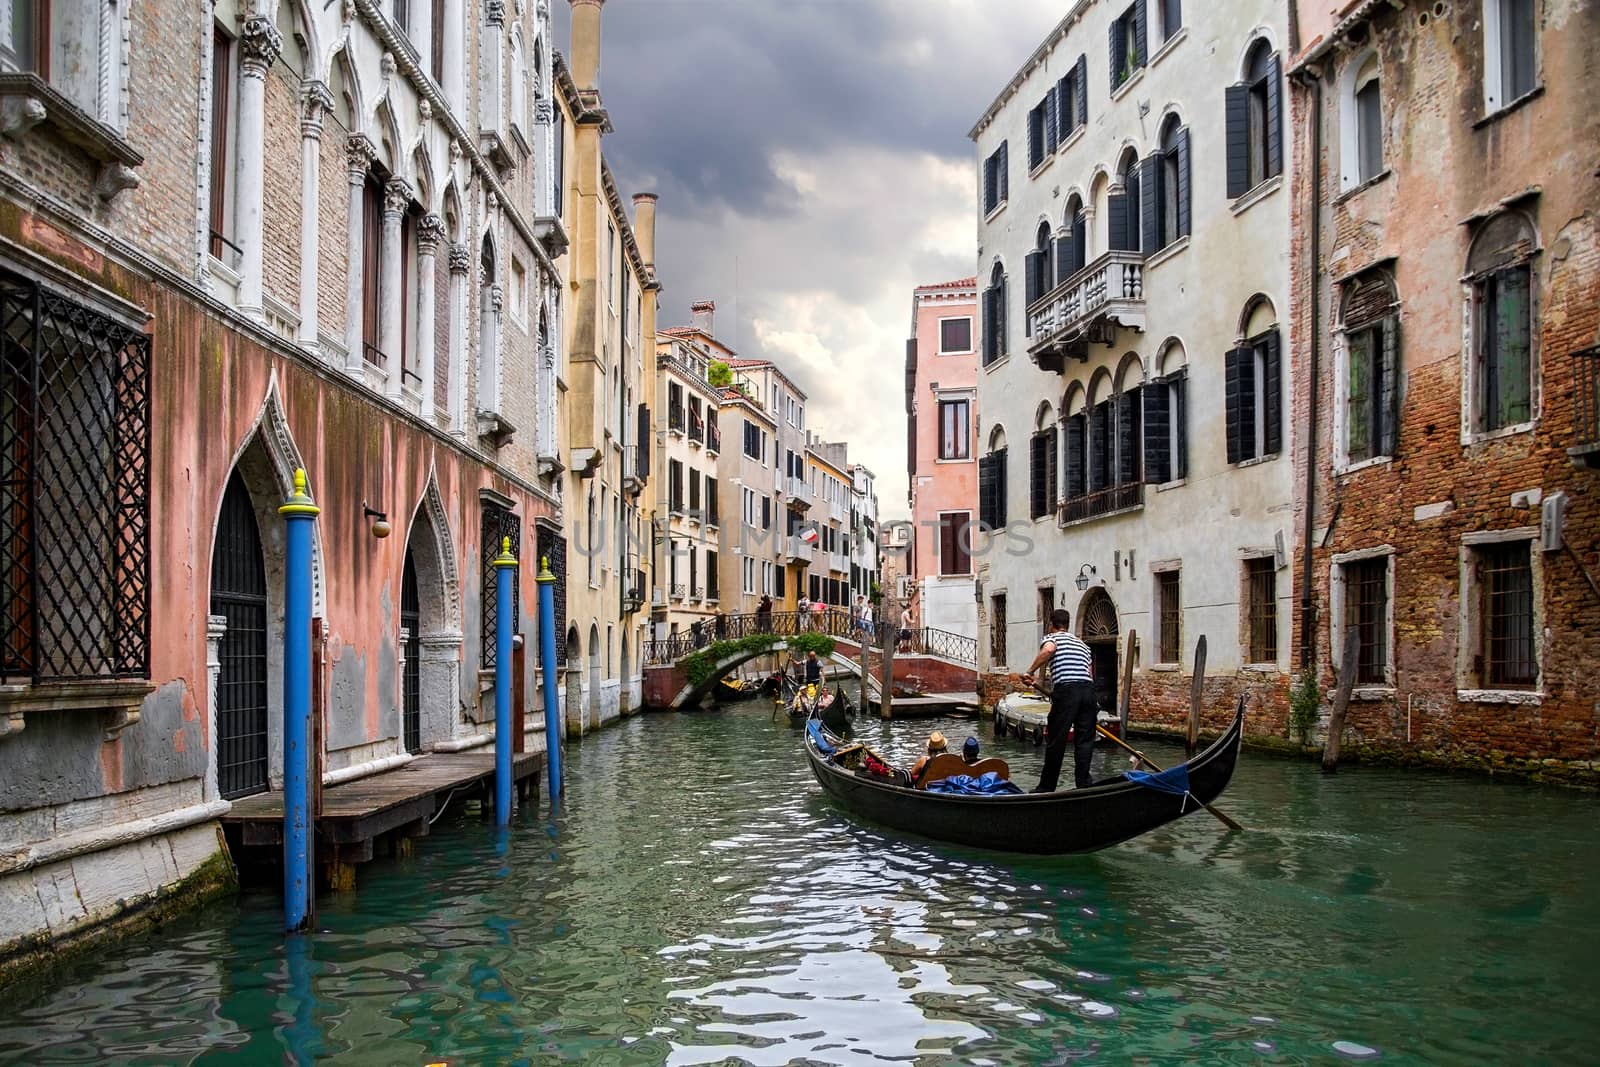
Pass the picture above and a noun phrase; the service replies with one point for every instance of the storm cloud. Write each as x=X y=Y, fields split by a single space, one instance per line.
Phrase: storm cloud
x=813 y=168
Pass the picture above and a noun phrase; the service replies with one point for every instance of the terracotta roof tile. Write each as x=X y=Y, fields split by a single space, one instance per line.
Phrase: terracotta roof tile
x=959 y=283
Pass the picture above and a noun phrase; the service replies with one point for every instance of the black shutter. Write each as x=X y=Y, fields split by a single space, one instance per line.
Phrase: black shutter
x=1115 y=52
x=1000 y=488
x=1036 y=472
x=1272 y=395
x=1180 y=424
x=986 y=490
x=1182 y=148
x=1157 y=433
x=1128 y=437
x=1117 y=222
x=986 y=324
x=1081 y=84
x=1238 y=138
x=1080 y=241
x=990 y=173
x=1241 y=396
x=1035 y=137
x=1052 y=121
x=1003 y=183
x=1390 y=396
x=1063 y=257
x=644 y=436
x=1063 y=109
x=1072 y=481
x=1034 y=271
x=1000 y=319
x=1140 y=35
x=1052 y=450
x=1274 y=116
x=1151 y=179
x=1099 y=446
x=766 y=513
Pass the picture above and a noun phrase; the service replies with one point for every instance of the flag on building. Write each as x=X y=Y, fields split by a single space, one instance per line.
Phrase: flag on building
x=808 y=533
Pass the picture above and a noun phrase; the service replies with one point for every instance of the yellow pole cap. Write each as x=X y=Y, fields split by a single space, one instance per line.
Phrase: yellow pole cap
x=505 y=558
x=545 y=574
x=299 y=502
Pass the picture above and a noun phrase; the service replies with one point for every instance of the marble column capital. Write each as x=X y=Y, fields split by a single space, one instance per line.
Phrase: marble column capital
x=260 y=45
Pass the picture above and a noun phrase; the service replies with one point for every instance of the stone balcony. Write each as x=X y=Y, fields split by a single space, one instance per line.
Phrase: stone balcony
x=1088 y=307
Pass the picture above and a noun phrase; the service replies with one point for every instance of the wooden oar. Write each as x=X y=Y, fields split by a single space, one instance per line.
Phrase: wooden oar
x=1142 y=758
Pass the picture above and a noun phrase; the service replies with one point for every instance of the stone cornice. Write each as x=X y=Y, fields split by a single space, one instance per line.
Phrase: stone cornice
x=585 y=106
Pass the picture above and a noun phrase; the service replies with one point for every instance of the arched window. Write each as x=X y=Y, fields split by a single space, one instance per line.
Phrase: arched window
x=1255 y=121
x=1369 y=384
x=992 y=482
x=1072 y=250
x=1170 y=197
x=1039 y=277
x=1166 y=417
x=1042 y=464
x=1123 y=209
x=994 y=316
x=1504 y=342
x=1253 y=383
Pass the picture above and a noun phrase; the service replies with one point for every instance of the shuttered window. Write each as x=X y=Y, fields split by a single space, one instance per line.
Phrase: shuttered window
x=955 y=556
x=1254 y=122
x=1072 y=100
x=994 y=317
x=1075 y=446
x=1128 y=52
x=1166 y=189
x=1042 y=473
x=1254 y=393
x=994 y=179
x=1165 y=418
x=992 y=490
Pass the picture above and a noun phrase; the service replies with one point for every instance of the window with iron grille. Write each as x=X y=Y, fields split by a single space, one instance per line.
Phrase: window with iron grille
x=552 y=546
x=498 y=524
x=997 y=630
x=74 y=489
x=1261 y=580
x=1366 y=609
x=1505 y=584
x=1169 y=608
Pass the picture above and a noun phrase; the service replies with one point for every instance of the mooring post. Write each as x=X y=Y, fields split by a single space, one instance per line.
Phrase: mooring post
x=299 y=513
x=1196 y=691
x=1341 y=699
x=1125 y=697
x=505 y=572
x=547 y=663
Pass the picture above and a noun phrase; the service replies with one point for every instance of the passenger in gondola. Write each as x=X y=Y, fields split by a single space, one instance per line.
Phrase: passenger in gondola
x=936 y=747
x=969 y=750
x=1072 y=702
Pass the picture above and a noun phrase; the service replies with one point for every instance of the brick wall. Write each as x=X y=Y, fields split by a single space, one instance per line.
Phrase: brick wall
x=281 y=187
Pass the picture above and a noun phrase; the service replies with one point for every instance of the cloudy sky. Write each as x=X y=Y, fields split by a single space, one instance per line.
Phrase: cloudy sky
x=813 y=166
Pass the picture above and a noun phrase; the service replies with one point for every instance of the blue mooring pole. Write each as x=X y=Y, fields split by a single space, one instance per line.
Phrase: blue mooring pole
x=505 y=568
x=547 y=663
x=299 y=513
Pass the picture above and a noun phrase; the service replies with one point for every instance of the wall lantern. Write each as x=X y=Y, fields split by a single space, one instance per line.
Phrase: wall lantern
x=380 y=520
x=1082 y=581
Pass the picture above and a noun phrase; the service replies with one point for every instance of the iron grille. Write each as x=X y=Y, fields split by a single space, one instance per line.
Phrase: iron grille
x=1168 y=593
x=239 y=595
x=498 y=524
x=1586 y=401
x=997 y=631
x=1262 y=575
x=553 y=547
x=1507 y=580
x=74 y=489
x=1366 y=607
x=411 y=623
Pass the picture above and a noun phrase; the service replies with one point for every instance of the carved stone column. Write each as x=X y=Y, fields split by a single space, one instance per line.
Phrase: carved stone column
x=460 y=264
x=216 y=627
x=391 y=307
x=259 y=47
x=430 y=231
x=359 y=154
x=315 y=103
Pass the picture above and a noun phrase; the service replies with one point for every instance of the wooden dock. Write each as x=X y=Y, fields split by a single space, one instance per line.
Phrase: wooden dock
x=390 y=807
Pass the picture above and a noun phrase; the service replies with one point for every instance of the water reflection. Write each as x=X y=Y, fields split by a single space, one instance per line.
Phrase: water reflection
x=696 y=900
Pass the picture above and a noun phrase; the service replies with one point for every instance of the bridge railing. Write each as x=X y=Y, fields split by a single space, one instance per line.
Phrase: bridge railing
x=835 y=622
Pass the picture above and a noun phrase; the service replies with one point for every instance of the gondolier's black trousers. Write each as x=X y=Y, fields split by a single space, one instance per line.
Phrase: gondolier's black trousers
x=1071 y=704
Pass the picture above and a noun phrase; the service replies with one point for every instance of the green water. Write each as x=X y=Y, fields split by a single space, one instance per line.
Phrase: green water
x=698 y=901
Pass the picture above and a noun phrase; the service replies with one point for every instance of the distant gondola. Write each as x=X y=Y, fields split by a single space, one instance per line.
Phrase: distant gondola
x=730 y=690
x=1075 y=820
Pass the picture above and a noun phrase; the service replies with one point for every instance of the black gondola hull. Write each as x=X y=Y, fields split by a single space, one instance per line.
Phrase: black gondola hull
x=1062 y=823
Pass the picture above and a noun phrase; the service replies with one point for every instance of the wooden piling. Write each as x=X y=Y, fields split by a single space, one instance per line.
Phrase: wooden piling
x=886 y=689
x=1341 y=699
x=519 y=711
x=1129 y=657
x=1196 y=692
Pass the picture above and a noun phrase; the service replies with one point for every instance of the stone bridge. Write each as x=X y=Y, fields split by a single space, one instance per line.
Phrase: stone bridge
x=668 y=686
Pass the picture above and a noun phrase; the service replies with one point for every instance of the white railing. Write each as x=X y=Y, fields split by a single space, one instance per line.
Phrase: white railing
x=1113 y=283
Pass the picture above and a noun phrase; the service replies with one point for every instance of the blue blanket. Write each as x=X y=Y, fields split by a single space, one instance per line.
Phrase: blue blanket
x=814 y=728
x=1174 y=780
x=990 y=784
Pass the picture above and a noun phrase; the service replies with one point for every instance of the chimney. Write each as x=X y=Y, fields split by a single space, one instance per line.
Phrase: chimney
x=586 y=43
x=644 y=229
x=702 y=311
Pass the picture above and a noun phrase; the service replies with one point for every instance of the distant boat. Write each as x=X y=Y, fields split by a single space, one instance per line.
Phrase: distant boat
x=1069 y=821
x=729 y=690
x=1023 y=715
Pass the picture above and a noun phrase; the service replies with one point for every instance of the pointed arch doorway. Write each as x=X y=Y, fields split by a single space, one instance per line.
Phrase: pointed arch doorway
x=1097 y=625
x=239 y=595
x=411 y=683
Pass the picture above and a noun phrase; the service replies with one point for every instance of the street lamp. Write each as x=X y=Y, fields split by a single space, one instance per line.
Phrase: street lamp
x=1082 y=581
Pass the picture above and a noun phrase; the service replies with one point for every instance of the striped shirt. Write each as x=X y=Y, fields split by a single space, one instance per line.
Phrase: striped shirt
x=1070 y=663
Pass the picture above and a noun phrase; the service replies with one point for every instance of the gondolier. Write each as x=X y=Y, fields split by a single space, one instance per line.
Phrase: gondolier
x=1072 y=702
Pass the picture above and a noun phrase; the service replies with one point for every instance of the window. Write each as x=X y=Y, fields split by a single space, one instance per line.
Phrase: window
x=1169 y=617
x=992 y=489
x=1253 y=382
x=1503 y=355
x=713 y=515
x=1371 y=379
x=372 y=266
x=1042 y=472
x=611 y=261
x=1171 y=19
x=994 y=317
x=755 y=442
x=1072 y=100
x=1366 y=610
x=1369 y=122
x=498 y=523
x=955 y=550
x=766 y=512
x=749 y=575
x=28 y=46
x=1254 y=122
x=955 y=336
x=694 y=491
x=994 y=180
x=62 y=43
x=955 y=429
x=1103 y=441
x=402 y=15
x=1072 y=247
x=436 y=51
x=1506 y=656
x=1124 y=209
x=519 y=289
x=675 y=485
x=558 y=140
x=1261 y=587
x=1510 y=52
x=1044 y=130
x=711 y=574
x=997 y=630
x=74 y=471
x=1127 y=44
x=1165 y=184
x=1166 y=417
x=1037 y=275
x=223 y=80
x=749 y=507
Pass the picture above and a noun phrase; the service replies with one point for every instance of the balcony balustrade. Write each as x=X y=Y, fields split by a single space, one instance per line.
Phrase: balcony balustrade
x=1087 y=307
x=1102 y=502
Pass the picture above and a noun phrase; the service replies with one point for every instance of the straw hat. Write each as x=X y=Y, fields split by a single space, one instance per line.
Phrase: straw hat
x=936 y=742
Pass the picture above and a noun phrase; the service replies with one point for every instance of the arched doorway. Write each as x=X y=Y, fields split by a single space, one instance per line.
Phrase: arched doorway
x=239 y=595
x=574 y=714
x=411 y=634
x=593 y=711
x=1097 y=625
x=626 y=698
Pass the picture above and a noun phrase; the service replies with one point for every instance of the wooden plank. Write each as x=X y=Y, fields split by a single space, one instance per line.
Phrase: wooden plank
x=1196 y=691
x=1129 y=658
x=1341 y=699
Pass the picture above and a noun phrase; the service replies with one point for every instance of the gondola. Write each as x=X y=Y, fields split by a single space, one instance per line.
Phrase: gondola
x=1061 y=823
x=803 y=702
x=731 y=690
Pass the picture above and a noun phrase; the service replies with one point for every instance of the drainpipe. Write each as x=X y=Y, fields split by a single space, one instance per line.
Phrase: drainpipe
x=1308 y=604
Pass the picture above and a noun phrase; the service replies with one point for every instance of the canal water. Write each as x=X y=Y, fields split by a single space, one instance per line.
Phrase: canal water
x=698 y=901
